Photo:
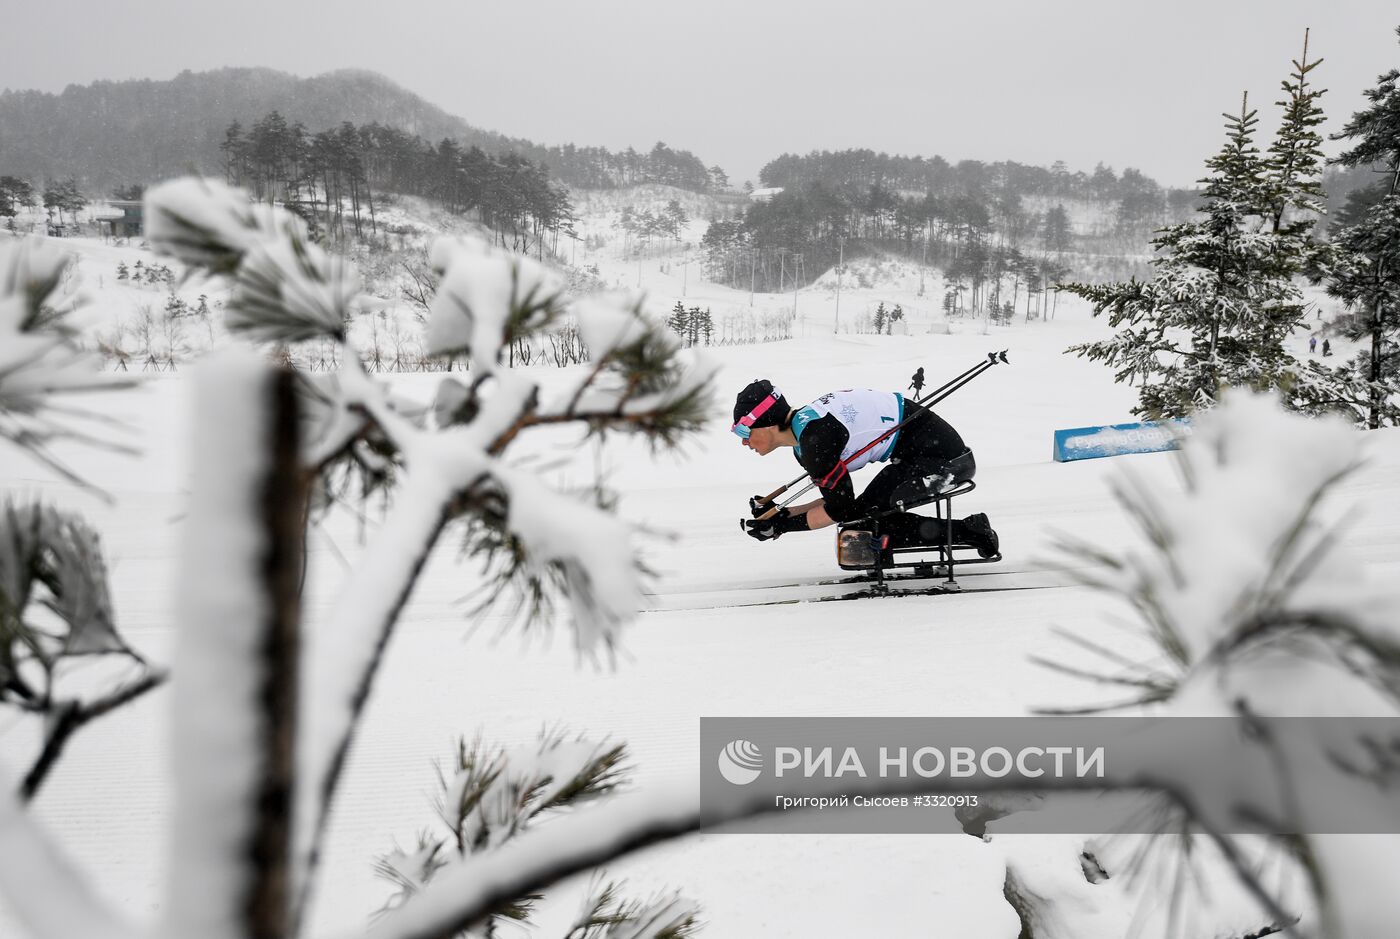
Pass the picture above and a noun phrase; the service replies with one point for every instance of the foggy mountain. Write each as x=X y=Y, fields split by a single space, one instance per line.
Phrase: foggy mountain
x=111 y=133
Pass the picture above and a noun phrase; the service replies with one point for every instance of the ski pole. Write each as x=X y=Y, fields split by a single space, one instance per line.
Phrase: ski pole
x=992 y=358
x=780 y=490
x=938 y=394
x=933 y=397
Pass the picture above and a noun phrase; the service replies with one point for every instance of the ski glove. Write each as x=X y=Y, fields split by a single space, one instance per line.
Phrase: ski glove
x=767 y=529
x=758 y=505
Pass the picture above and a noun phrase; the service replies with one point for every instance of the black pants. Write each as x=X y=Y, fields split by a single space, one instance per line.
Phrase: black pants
x=914 y=480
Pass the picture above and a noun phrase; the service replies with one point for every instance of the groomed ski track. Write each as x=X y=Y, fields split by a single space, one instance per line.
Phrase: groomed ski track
x=856 y=587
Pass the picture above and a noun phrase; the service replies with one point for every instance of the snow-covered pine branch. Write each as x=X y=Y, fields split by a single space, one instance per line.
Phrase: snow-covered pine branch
x=490 y=796
x=55 y=605
x=440 y=467
x=1349 y=391
x=1250 y=606
x=285 y=287
x=606 y=914
x=1241 y=565
x=40 y=353
x=486 y=299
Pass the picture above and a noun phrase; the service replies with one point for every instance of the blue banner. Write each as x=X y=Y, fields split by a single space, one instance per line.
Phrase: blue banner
x=1088 y=443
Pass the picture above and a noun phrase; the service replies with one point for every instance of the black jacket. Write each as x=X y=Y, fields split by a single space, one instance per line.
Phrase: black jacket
x=925 y=439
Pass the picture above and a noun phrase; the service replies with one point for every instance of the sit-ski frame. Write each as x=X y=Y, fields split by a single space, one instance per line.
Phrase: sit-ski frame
x=946 y=560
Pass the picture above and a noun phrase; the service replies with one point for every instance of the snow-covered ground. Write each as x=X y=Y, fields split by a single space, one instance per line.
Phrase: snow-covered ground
x=448 y=676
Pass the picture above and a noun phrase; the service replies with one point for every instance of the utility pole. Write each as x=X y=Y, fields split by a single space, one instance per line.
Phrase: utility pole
x=796 y=264
x=925 y=264
x=840 y=264
x=753 y=266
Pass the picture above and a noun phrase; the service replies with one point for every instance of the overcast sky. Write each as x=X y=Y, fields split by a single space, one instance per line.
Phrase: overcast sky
x=740 y=81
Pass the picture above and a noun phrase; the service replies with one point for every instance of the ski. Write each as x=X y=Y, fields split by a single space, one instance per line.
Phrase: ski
x=860 y=587
x=827 y=580
x=890 y=593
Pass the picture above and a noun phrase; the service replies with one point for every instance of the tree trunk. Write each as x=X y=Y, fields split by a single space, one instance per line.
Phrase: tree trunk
x=284 y=518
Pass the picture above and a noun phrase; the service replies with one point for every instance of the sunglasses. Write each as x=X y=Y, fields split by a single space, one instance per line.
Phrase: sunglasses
x=742 y=425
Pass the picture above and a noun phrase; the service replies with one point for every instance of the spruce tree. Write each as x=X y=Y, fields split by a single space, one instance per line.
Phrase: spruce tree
x=1223 y=297
x=693 y=326
x=1363 y=270
x=678 y=321
x=1296 y=158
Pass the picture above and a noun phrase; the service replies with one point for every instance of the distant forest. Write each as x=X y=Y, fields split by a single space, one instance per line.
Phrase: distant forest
x=986 y=218
x=600 y=168
x=979 y=221
x=330 y=178
x=1139 y=198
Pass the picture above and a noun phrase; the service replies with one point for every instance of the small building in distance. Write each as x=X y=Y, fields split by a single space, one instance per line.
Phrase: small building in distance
x=764 y=195
x=120 y=218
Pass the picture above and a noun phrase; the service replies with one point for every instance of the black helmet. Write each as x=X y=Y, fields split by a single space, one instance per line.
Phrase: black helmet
x=753 y=396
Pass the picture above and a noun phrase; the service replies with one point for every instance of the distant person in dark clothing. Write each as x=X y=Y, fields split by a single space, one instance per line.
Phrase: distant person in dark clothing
x=917 y=382
x=1326 y=348
x=835 y=435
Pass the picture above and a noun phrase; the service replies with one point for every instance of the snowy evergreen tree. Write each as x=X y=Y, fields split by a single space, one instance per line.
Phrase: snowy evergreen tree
x=677 y=321
x=175 y=307
x=674 y=219
x=15 y=194
x=1057 y=231
x=1295 y=161
x=1363 y=271
x=1224 y=295
x=490 y=796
